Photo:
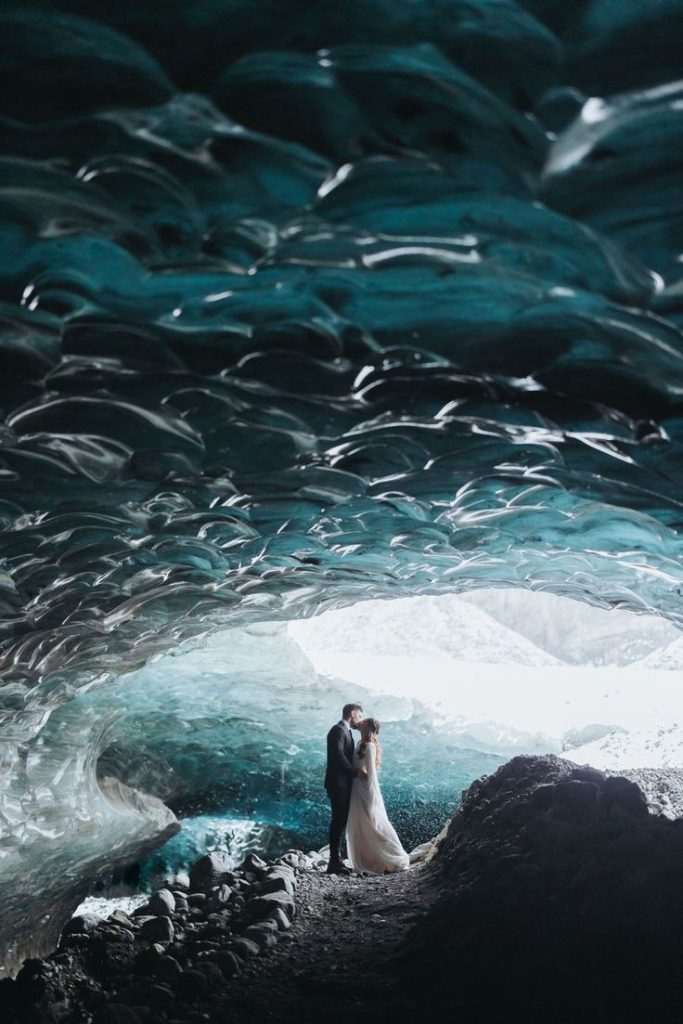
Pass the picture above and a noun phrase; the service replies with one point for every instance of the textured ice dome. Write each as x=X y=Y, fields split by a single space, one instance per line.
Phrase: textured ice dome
x=302 y=307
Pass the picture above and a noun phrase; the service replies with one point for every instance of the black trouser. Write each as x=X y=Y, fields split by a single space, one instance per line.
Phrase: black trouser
x=340 y=798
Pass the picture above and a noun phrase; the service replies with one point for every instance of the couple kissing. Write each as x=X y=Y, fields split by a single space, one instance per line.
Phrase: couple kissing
x=356 y=800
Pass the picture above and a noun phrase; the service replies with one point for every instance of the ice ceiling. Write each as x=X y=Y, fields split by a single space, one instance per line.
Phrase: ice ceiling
x=307 y=304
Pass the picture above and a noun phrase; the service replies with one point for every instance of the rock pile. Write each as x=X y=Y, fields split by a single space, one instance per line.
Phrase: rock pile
x=560 y=898
x=166 y=961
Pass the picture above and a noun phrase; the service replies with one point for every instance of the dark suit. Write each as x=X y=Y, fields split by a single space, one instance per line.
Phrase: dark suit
x=339 y=777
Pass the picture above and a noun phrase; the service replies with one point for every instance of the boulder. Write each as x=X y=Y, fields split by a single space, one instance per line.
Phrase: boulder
x=213 y=975
x=588 y=774
x=279 y=918
x=263 y=936
x=162 y=903
x=292 y=858
x=277 y=882
x=213 y=869
x=157 y=929
x=121 y=918
x=82 y=924
x=228 y=962
x=245 y=947
x=219 y=896
x=581 y=798
x=542 y=797
x=253 y=864
x=264 y=906
x=626 y=796
x=191 y=984
x=167 y=969
x=115 y=933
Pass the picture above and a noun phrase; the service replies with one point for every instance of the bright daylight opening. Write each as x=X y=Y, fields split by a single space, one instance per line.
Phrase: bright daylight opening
x=514 y=671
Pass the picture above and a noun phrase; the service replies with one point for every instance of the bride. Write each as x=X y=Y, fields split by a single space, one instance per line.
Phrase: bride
x=371 y=839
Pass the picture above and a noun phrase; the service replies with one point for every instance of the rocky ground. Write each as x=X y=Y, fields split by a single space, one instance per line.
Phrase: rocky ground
x=280 y=941
x=555 y=896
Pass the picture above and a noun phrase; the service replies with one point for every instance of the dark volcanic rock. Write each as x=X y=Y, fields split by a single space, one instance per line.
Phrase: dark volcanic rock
x=154 y=996
x=213 y=869
x=278 y=881
x=116 y=1013
x=245 y=947
x=266 y=905
x=253 y=864
x=626 y=796
x=82 y=923
x=167 y=969
x=162 y=903
x=175 y=956
x=560 y=899
x=157 y=929
x=191 y=984
x=228 y=963
x=280 y=919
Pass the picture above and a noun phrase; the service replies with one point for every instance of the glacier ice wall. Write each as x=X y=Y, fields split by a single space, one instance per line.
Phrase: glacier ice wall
x=304 y=306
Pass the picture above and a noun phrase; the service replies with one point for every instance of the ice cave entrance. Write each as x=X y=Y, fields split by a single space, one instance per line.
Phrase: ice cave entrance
x=230 y=731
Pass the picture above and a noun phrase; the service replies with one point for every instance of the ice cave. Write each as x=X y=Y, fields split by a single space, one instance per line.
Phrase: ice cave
x=341 y=360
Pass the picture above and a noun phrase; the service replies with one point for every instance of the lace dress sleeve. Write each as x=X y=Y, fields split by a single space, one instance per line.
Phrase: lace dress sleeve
x=369 y=762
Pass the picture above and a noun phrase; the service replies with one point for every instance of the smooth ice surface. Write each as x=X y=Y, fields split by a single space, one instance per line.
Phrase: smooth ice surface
x=301 y=307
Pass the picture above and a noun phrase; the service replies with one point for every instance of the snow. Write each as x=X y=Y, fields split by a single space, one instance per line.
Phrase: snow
x=500 y=691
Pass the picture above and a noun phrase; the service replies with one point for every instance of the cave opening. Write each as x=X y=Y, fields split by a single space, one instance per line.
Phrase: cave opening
x=229 y=731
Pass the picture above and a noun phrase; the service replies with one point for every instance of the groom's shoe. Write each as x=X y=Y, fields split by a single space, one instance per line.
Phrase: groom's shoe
x=338 y=869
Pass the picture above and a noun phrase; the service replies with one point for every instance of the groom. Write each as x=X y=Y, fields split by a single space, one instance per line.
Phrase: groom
x=338 y=780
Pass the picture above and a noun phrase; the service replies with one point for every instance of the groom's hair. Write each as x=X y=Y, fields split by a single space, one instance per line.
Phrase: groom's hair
x=348 y=708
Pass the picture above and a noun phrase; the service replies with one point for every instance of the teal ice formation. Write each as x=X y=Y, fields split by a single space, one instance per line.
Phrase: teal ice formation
x=301 y=305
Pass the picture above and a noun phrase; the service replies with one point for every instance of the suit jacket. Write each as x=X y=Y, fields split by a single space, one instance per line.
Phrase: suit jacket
x=340 y=747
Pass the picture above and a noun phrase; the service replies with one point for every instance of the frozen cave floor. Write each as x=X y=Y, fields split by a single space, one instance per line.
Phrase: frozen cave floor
x=554 y=895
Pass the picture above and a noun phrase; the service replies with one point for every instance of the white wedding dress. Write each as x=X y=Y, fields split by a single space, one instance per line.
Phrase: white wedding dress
x=371 y=839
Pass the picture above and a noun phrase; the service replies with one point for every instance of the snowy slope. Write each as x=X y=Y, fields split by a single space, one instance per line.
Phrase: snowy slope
x=669 y=657
x=444 y=626
x=576 y=632
x=658 y=746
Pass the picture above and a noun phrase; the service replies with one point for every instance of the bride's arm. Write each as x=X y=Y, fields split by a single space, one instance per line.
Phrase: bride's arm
x=368 y=762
